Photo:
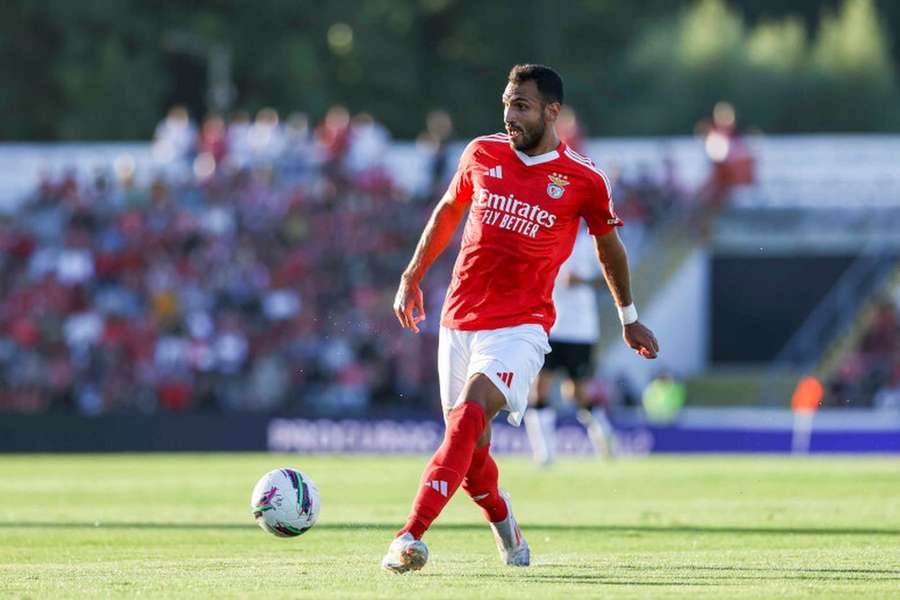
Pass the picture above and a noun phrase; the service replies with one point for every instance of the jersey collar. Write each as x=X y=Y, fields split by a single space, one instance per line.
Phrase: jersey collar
x=531 y=161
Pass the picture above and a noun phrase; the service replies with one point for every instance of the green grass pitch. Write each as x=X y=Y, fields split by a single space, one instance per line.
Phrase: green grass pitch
x=179 y=526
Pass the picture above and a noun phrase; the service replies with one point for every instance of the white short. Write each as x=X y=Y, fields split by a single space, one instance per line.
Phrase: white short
x=511 y=358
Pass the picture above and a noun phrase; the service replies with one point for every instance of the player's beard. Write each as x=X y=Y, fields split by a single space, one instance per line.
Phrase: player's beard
x=530 y=137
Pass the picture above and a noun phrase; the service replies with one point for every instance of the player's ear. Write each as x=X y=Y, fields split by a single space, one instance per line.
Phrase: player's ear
x=551 y=111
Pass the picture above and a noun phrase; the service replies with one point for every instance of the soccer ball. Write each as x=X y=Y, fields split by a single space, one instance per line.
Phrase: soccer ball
x=285 y=502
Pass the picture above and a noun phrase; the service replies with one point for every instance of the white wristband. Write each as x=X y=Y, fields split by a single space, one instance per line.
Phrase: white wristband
x=627 y=314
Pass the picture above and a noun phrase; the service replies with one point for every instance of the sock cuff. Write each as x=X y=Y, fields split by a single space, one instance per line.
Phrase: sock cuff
x=468 y=411
x=440 y=472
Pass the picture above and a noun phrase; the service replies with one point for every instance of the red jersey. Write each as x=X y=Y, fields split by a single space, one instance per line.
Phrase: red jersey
x=521 y=227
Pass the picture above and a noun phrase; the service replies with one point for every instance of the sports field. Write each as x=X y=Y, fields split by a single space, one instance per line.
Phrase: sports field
x=670 y=527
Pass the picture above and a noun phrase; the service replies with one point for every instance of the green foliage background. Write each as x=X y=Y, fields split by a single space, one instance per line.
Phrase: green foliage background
x=108 y=69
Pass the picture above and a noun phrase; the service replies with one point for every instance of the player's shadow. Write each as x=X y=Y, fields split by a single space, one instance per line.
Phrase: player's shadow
x=691 y=579
x=817 y=571
x=599 y=528
x=607 y=580
x=710 y=575
x=686 y=575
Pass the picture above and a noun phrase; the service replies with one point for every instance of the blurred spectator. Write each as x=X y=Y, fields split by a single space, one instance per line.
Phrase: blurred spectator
x=298 y=142
x=663 y=399
x=870 y=374
x=333 y=138
x=805 y=401
x=807 y=396
x=435 y=141
x=175 y=137
x=237 y=140
x=213 y=140
x=732 y=162
x=368 y=143
x=569 y=129
x=266 y=139
x=880 y=340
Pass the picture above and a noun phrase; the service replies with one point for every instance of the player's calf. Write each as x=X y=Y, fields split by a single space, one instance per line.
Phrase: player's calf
x=480 y=483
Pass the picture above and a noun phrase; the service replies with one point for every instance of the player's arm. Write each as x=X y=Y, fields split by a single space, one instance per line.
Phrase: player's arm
x=408 y=303
x=614 y=262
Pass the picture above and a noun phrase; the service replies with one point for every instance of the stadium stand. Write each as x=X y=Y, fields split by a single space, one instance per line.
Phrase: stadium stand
x=247 y=267
x=250 y=265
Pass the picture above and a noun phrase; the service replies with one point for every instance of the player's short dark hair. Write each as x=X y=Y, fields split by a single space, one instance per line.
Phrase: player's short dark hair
x=548 y=81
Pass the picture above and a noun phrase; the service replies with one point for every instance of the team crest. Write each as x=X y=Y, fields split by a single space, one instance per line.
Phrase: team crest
x=557 y=186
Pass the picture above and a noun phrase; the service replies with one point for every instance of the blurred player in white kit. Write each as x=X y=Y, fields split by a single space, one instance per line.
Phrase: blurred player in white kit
x=572 y=339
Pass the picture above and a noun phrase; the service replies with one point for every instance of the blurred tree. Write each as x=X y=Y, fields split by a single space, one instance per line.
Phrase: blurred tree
x=772 y=75
x=108 y=69
x=28 y=94
x=854 y=78
x=777 y=53
x=685 y=66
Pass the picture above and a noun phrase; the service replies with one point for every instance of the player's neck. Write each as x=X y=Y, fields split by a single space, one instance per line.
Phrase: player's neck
x=548 y=143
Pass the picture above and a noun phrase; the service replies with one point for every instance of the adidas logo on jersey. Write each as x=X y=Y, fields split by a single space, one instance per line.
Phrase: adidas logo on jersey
x=496 y=172
x=438 y=486
x=506 y=378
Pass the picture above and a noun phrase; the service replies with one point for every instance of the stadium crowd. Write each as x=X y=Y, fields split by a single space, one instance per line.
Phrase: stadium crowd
x=869 y=376
x=255 y=270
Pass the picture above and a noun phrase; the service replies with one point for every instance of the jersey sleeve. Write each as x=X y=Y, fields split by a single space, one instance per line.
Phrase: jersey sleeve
x=597 y=208
x=461 y=187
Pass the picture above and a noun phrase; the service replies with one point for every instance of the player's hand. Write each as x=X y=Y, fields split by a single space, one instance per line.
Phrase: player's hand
x=409 y=305
x=641 y=339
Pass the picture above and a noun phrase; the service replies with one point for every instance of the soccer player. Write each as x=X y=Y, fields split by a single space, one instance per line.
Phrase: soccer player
x=525 y=193
x=572 y=340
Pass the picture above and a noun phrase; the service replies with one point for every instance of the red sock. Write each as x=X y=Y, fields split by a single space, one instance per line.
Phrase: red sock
x=444 y=473
x=481 y=485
